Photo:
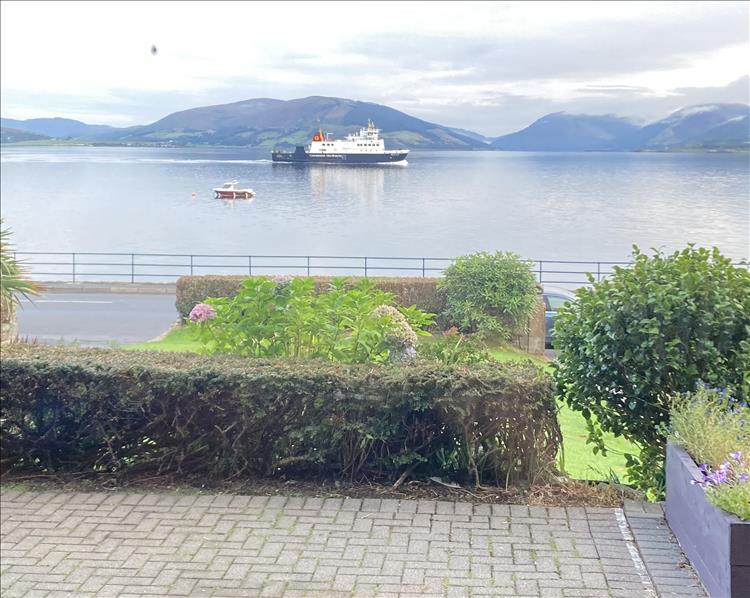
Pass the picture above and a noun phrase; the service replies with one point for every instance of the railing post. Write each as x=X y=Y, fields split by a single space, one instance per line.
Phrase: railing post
x=191 y=265
x=74 y=266
x=249 y=265
x=541 y=266
x=308 y=265
x=598 y=271
x=365 y=266
x=423 y=268
x=132 y=268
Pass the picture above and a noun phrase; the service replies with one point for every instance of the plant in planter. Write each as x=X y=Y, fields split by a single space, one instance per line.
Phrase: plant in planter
x=727 y=486
x=708 y=487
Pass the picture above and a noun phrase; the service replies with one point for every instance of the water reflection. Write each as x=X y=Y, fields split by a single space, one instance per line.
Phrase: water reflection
x=365 y=183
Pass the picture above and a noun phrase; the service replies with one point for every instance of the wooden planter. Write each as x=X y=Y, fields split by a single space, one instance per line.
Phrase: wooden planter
x=716 y=542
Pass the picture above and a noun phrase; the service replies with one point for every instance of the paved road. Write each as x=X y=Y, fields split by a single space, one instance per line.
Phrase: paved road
x=96 y=319
x=129 y=544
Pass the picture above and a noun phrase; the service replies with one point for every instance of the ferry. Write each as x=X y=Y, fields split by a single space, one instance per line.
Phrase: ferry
x=365 y=147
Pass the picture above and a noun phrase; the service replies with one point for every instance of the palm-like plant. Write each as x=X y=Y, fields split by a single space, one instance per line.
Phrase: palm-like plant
x=13 y=281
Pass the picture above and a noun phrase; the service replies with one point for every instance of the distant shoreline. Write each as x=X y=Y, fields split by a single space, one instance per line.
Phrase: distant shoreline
x=74 y=143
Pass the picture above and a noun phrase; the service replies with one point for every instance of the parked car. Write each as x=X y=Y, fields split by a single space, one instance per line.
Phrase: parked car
x=553 y=299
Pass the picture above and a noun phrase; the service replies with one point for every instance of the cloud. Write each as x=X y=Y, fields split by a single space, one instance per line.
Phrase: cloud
x=590 y=50
x=492 y=67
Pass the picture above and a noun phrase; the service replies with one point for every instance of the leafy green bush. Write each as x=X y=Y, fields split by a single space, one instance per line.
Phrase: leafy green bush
x=422 y=292
x=286 y=317
x=452 y=348
x=493 y=294
x=652 y=330
x=87 y=410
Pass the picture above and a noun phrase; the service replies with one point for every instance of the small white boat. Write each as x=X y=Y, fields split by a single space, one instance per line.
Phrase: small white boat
x=231 y=190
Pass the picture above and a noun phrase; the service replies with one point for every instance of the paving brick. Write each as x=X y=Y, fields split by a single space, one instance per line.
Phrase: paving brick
x=131 y=544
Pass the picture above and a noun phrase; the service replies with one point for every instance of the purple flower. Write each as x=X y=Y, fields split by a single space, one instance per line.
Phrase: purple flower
x=737 y=456
x=202 y=312
x=744 y=477
x=717 y=478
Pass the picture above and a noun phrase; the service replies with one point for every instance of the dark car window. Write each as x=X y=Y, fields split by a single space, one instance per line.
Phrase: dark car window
x=554 y=302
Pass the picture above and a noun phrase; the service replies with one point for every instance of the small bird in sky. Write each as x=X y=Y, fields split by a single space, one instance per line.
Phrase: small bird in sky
x=154 y=51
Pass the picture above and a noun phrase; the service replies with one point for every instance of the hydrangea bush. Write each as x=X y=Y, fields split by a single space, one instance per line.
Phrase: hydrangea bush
x=202 y=313
x=287 y=317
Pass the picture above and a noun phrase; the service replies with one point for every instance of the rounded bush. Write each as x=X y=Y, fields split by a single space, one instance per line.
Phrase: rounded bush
x=631 y=342
x=492 y=294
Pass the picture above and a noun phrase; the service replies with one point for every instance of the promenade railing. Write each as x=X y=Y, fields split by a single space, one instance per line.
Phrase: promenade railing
x=166 y=267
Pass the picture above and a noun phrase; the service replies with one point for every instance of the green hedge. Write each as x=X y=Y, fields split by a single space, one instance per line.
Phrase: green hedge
x=422 y=292
x=83 y=410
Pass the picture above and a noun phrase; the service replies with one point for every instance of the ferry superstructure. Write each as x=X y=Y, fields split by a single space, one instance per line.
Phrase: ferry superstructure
x=364 y=147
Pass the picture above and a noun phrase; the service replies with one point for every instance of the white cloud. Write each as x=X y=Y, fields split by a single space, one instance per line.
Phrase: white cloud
x=92 y=60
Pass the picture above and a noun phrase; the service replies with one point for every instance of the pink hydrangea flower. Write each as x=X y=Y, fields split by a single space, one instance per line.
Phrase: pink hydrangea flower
x=202 y=312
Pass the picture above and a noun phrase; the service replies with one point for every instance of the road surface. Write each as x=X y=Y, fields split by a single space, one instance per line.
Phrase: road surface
x=95 y=319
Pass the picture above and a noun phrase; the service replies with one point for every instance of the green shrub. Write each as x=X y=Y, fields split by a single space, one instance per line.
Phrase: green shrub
x=452 y=348
x=631 y=342
x=422 y=292
x=490 y=294
x=287 y=317
x=85 y=410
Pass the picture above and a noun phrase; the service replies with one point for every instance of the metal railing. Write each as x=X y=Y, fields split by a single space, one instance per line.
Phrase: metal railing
x=162 y=267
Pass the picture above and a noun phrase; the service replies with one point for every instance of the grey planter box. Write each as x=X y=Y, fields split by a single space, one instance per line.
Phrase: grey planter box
x=716 y=542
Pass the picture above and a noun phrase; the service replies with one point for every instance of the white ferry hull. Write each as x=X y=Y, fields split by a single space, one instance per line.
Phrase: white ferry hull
x=301 y=156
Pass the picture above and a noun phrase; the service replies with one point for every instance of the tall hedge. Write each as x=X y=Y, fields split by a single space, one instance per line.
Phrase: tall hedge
x=86 y=410
x=422 y=292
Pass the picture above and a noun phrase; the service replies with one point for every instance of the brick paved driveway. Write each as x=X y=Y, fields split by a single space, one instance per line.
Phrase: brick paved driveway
x=126 y=544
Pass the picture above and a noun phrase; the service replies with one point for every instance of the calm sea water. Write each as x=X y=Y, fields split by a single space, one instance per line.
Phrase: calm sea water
x=587 y=206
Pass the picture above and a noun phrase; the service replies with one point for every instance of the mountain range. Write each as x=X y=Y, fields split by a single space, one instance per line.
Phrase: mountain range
x=707 y=126
x=270 y=123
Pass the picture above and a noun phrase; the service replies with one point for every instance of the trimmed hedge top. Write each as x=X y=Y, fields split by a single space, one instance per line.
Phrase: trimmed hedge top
x=107 y=410
x=422 y=292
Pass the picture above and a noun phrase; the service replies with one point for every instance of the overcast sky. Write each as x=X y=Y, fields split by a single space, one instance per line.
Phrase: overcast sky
x=488 y=67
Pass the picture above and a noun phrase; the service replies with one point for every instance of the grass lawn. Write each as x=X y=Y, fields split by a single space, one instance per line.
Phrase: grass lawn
x=577 y=458
x=176 y=340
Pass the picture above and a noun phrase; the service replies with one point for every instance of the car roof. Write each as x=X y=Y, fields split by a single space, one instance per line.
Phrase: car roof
x=559 y=291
